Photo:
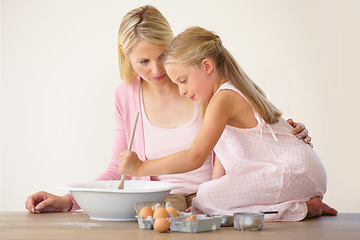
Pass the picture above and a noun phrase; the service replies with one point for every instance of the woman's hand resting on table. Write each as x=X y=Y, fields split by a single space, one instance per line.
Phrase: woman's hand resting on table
x=47 y=202
x=300 y=131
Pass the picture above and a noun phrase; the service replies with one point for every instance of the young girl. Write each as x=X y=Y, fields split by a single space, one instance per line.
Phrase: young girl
x=267 y=168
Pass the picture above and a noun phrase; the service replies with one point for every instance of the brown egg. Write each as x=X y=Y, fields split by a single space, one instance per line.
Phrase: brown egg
x=145 y=212
x=161 y=224
x=173 y=211
x=191 y=218
x=161 y=213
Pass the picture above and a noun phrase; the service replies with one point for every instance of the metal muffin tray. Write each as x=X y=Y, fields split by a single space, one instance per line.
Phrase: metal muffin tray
x=202 y=223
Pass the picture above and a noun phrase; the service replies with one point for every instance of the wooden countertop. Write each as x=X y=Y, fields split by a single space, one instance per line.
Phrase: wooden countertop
x=78 y=225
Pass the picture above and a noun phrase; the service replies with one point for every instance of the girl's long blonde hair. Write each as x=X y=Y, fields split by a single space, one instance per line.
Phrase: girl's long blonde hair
x=195 y=44
x=143 y=23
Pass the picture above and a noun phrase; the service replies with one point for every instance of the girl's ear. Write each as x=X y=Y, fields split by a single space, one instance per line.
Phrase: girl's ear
x=208 y=65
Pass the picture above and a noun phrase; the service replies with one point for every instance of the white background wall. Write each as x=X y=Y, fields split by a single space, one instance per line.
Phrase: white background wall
x=59 y=71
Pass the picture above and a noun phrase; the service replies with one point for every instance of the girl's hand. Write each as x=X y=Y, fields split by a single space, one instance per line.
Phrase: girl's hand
x=47 y=202
x=129 y=163
x=300 y=131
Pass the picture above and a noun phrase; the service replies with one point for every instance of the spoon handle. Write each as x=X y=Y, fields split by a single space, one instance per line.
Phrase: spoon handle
x=121 y=185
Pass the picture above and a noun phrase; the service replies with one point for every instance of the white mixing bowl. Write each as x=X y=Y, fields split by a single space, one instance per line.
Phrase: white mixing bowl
x=103 y=201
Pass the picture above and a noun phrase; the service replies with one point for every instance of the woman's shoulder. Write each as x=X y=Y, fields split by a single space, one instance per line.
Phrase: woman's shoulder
x=124 y=90
x=127 y=95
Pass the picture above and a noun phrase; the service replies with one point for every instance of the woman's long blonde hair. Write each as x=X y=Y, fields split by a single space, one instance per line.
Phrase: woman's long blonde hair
x=143 y=23
x=195 y=44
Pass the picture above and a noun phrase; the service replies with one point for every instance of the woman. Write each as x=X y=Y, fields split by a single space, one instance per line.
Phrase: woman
x=167 y=122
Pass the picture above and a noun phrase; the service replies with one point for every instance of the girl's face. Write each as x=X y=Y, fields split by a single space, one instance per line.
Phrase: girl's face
x=194 y=82
x=146 y=59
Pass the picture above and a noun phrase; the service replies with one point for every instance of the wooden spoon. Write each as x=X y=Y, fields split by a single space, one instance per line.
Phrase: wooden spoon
x=121 y=185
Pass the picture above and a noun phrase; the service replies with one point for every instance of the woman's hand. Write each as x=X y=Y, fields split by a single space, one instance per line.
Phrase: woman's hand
x=129 y=164
x=300 y=131
x=47 y=202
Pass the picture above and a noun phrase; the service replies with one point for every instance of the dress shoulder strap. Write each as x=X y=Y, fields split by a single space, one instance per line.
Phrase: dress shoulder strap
x=228 y=85
x=261 y=121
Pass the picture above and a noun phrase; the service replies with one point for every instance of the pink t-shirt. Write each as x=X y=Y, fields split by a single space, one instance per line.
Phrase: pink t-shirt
x=161 y=142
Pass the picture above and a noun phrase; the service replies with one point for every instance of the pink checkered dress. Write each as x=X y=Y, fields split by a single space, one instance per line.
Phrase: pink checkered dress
x=267 y=169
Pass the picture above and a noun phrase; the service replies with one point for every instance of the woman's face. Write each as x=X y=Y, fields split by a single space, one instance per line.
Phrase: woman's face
x=146 y=59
